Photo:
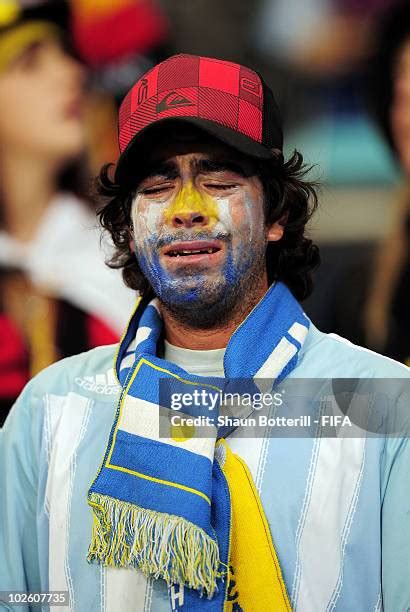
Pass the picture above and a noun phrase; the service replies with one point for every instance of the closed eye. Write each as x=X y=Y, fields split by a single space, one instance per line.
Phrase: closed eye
x=221 y=186
x=155 y=190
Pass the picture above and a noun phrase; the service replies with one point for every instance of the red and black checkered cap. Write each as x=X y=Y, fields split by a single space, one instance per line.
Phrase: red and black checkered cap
x=227 y=100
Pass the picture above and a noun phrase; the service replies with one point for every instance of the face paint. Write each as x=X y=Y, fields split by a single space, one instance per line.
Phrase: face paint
x=155 y=228
x=190 y=201
x=233 y=221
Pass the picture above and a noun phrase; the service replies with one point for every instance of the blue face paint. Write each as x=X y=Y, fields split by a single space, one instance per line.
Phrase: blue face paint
x=236 y=223
x=167 y=287
x=193 y=287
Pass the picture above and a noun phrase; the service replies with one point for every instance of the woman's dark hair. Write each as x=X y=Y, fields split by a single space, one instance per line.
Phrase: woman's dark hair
x=288 y=196
x=393 y=31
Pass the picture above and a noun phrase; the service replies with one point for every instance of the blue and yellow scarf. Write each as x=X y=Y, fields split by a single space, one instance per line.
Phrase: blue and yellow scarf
x=185 y=508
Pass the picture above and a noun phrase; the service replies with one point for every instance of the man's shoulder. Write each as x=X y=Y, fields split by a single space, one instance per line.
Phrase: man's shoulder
x=329 y=355
x=88 y=373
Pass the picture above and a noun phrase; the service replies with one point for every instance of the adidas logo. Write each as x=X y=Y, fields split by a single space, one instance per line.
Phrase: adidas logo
x=105 y=384
x=173 y=100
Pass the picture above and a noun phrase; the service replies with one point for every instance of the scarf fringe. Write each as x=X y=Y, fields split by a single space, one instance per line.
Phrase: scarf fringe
x=160 y=545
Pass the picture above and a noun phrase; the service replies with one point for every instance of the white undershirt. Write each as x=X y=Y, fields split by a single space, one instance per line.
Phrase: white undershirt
x=201 y=363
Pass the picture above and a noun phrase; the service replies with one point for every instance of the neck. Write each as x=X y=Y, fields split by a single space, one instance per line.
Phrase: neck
x=28 y=185
x=195 y=339
x=217 y=337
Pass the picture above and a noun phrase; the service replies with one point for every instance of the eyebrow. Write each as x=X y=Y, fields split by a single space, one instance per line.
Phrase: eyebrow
x=169 y=170
x=166 y=170
x=210 y=165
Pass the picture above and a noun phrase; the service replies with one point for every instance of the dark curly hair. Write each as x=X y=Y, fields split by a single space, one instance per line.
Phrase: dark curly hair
x=288 y=195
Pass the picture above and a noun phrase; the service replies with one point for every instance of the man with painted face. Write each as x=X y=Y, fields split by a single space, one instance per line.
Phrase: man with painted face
x=199 y=235
x=208 y=220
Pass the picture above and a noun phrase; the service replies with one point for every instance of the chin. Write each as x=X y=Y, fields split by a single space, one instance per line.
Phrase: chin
x=205 y=288
x=202 y=297
x=188 y=295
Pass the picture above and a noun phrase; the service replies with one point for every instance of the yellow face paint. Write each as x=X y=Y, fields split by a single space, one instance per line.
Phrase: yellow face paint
x=189 y=200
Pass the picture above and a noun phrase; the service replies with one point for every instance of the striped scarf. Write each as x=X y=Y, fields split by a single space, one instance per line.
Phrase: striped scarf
x=183 y=507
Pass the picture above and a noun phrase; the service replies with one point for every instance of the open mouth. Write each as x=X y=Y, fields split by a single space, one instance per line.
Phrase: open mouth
x=184 y=253
x=202 y=253
x=194 y=248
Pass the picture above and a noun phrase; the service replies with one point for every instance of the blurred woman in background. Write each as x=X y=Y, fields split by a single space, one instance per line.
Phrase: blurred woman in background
x=57 y=297
x=387 y=315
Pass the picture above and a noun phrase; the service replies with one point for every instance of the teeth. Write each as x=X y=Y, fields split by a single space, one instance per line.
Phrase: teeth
x=192 y=252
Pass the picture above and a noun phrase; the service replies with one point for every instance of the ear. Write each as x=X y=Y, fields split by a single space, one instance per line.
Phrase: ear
x=132 y=243
x=276 y=230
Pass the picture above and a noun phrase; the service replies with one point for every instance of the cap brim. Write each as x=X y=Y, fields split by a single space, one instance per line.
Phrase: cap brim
x=137 y=148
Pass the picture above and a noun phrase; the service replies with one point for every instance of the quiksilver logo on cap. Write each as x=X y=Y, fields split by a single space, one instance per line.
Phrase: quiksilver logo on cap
x=173 y=100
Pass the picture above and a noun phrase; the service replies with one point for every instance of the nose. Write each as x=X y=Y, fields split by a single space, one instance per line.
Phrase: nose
x=191 y=209
x=186 y=218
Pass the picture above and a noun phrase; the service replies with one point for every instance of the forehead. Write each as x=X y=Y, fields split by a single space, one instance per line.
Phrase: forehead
x=201 y=148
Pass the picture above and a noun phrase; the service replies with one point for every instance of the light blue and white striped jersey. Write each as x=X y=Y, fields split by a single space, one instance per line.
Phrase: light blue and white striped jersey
x=338 y=508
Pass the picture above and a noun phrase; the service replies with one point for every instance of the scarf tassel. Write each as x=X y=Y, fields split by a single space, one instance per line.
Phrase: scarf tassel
x=160 y=545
